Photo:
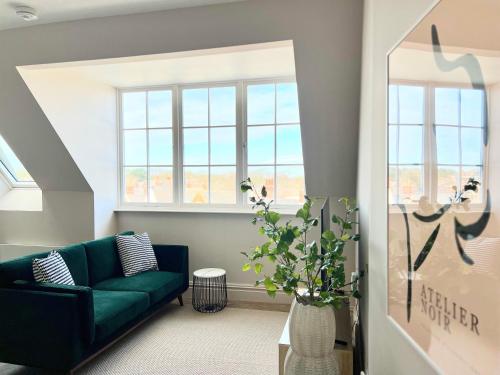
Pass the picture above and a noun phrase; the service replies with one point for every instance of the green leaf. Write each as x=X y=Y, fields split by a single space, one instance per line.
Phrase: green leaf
x=246 y=267
x=245 y=186
x=258 y=268
x=328 y=235
x=273 y=217
x=264 y=191
x=269 y=285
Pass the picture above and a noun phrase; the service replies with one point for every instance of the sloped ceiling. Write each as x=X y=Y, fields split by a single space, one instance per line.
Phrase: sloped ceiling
x=50 y=11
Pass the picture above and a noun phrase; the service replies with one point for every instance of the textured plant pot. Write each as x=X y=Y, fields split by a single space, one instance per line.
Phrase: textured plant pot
x=312 y=341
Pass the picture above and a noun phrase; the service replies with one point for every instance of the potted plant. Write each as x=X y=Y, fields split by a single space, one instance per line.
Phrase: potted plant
x=299 y=265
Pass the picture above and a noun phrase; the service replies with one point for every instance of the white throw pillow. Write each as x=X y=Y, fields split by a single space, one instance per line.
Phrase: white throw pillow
x=52 y=269
x=136 y=254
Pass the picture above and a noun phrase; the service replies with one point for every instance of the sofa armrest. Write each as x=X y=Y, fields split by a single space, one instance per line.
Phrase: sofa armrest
x=40 y=329
x=85 y=302
x=173 y=258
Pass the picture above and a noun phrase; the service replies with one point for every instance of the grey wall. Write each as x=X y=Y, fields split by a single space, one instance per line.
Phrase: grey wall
x=386 y=22
x=327 y=42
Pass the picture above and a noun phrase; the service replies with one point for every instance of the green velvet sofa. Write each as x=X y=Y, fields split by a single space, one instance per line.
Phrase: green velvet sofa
x=59 y=327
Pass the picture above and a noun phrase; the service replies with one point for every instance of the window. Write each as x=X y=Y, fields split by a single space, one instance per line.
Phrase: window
x=458 y=125
x=191 y=145
x=435 y=141
x=406 y=135
x=209 y=145
x=12 y=168
x=273 y=141
x=147 y=146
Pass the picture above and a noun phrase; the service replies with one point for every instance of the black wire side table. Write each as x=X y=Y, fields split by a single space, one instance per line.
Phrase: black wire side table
x=209 y=290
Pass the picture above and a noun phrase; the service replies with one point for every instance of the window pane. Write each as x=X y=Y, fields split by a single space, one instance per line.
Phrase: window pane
x=411 y=105
x=195 y=107
x=287 y=103
x=134 y=147
x=160 y=109
x=12 y=163
x=447 y=145
x=160 y=147
x=290 y=185
x=471 y=106
x=410 y=184
x=392 y=185
x=288 y=144
x=261 y=145
x=260 y=104
x=473 y=172
x=393 y=104
x=135 y=184
x=410 y=144
x=196 y=146
x=446 y=106
x=222 y=106
x=161 y=185
x=196 y=185
x=263 y=176
x=471 y=146
x=223 y=185
x=393 y=146
x=448 y=178
x=223 y=146
x=134 y=110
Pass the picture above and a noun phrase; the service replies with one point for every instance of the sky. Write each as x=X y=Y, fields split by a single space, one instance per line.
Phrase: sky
x=209 y=134
x=211 y=114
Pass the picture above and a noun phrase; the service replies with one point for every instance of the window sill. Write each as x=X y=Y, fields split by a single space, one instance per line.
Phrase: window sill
x=287 y=211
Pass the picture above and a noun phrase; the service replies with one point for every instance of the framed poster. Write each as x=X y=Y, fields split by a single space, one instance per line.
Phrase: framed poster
x=444 y=186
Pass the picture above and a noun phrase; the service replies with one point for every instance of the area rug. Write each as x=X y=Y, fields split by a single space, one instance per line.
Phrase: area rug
x=181 y=341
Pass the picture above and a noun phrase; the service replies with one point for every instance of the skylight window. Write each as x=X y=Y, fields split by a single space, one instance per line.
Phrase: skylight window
x=12 y=168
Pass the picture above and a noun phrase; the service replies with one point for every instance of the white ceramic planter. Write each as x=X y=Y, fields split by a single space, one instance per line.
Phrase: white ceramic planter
x=312 y=341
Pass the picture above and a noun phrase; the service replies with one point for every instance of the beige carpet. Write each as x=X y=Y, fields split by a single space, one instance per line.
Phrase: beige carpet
x=181 y=341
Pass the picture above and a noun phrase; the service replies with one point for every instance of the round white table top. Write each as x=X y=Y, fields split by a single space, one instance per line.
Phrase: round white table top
x=208 y=273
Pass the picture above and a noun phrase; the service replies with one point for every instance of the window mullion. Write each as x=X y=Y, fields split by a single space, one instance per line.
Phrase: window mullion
x=209 y=150
x=180 y=151
x=241 y=166
x=147 y=149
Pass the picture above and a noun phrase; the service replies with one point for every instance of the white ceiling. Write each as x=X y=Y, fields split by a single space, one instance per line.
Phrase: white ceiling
x=418 y=64
x=255 y=61
x=50 y=11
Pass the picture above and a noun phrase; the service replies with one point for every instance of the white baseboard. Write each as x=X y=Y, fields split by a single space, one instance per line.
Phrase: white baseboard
x=248 y=293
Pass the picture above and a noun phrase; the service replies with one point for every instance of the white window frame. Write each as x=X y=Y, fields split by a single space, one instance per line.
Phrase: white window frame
x=241 y=204
x=430 y=175
x=11 y=181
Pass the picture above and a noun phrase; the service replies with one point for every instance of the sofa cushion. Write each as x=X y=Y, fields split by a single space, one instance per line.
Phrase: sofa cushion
x=21 y=268
x=52 y=269
x=102 y=257
x=158 y=284
x=113 y=310
x=76 y=260
x=136 y=254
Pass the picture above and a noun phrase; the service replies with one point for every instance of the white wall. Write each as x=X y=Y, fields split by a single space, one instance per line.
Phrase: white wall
x=327 y=44
x=67 y=217
x=83 y=113
x=386 y=23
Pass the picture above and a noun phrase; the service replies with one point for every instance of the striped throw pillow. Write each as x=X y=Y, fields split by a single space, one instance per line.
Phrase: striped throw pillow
x=52 y=269
x=136 y=254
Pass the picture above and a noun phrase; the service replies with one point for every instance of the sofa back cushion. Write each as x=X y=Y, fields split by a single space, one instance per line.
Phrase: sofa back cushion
x=103 y=260
x=22 y=268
